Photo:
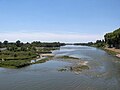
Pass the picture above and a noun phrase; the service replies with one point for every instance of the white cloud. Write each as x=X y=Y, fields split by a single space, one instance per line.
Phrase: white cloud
x=41 y=36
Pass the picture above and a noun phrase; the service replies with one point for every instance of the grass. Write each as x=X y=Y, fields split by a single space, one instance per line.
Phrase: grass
x=14 y=63
x=9 y=55
x=16 y=59
x=20 y=63
x=19 y=59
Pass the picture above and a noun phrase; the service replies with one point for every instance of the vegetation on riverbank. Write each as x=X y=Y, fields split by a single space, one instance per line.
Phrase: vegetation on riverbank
x=18 y=54
x=98 y=44
x=15 y=63
x=113 y=39
x=21 y=55
x=110 y=43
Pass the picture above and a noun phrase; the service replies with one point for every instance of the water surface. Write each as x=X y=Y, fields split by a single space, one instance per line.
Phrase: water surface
x=104 y=73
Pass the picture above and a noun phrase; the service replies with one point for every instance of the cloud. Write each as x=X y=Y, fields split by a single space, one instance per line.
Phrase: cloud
x=48 y=37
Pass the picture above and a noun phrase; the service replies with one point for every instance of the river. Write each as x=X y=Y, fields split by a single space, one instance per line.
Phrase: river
x=104 y=73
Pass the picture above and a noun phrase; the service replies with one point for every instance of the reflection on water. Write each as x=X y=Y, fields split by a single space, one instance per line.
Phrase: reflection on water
x=104 y=73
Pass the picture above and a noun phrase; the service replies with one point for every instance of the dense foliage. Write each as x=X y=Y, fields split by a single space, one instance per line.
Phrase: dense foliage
x=33 y=44
x=110 y=39
x=98 y=43
x=113 y=39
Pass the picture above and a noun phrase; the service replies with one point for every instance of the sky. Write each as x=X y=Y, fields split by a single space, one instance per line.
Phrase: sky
x=58 y=20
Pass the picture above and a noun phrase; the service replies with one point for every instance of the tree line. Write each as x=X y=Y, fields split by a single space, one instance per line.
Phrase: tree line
x=20 y=46
x=111 y=40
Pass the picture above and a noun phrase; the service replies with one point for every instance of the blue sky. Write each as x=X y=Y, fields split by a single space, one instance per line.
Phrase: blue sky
x=58 y=20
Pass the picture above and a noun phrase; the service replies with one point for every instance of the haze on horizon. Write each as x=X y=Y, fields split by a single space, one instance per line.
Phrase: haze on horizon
x=58 y=20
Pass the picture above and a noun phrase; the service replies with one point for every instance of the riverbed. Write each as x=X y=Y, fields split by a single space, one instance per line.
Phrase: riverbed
x=104 y=72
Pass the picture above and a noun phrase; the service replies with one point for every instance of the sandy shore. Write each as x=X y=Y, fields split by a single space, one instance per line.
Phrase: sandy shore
x=114 y=50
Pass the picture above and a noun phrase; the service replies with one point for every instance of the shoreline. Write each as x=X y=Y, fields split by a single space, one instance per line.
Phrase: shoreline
x=113 y=51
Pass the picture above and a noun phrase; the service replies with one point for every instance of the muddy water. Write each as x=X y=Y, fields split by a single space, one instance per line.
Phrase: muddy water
x=104 y=73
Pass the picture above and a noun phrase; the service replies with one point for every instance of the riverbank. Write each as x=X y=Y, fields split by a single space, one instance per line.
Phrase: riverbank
x=23 y=63
x=19 y=59
x=113 y=51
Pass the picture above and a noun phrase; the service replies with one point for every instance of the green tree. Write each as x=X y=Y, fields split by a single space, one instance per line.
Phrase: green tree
x=0 y=44
x=113 y=38
x=5 y=43
x=18 y=43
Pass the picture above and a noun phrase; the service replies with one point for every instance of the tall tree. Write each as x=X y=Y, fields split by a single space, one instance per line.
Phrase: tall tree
x=113 y=38
x=18 y=43
x=0 y=44
x=5 y=43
